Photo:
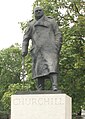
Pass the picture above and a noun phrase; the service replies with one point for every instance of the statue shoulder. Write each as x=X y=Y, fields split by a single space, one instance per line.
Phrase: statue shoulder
x=31 y=22
x=49 y=17
x=29 y=25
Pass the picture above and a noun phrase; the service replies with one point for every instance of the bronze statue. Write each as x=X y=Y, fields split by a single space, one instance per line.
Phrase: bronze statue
x=46 y=43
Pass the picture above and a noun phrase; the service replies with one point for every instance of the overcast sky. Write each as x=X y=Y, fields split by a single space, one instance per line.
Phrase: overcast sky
x=12 y=12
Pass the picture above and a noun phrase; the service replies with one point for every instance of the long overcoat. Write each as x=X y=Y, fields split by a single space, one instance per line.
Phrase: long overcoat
x=46 y=43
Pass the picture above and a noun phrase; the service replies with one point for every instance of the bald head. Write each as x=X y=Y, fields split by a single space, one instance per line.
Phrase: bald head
x=37 y=8
x=38 y=12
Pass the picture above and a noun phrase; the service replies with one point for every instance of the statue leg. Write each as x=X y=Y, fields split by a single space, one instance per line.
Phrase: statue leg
x=53 y=78
x=40 y=83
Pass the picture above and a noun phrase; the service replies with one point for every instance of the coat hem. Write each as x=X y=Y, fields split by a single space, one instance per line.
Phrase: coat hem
x=44 y=75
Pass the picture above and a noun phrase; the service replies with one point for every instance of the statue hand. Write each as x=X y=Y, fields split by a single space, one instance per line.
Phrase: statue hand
x=24 y=54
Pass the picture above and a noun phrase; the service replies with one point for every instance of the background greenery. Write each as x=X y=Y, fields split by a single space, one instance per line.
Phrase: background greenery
x=70 y=15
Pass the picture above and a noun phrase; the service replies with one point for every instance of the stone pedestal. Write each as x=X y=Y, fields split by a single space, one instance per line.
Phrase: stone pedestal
x=41 y=106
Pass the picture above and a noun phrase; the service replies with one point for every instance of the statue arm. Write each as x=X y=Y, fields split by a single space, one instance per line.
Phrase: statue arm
x=26 y=38
x=57 y=35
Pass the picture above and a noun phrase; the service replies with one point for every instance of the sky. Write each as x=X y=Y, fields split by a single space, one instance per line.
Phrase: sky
x=12 y=12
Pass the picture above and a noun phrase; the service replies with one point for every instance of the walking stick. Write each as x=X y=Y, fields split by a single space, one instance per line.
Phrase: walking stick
x=23 y=70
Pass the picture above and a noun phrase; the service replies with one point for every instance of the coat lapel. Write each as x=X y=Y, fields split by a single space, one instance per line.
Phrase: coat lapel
x=41 y=22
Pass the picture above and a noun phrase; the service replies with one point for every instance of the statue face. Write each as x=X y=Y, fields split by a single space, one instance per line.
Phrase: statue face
x=38 y=12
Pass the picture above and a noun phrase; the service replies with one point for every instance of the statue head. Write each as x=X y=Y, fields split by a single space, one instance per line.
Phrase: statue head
x=38 y=12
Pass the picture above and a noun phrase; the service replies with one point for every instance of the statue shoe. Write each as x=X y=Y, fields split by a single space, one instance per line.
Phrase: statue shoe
x=54 y=88
x=40 y=87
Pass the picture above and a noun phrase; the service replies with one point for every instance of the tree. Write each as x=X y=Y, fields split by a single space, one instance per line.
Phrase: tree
x=10 y=68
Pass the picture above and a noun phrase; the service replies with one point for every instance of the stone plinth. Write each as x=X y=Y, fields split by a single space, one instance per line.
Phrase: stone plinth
x=41 y=106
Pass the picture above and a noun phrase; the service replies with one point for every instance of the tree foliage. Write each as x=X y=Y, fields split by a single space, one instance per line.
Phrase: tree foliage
x=10 y=76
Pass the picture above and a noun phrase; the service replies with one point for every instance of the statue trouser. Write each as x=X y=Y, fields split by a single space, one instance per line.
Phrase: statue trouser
x=41 y=81
x=53 y=78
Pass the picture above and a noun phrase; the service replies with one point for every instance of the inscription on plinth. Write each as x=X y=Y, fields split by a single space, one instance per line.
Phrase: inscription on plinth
x=41 y=106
